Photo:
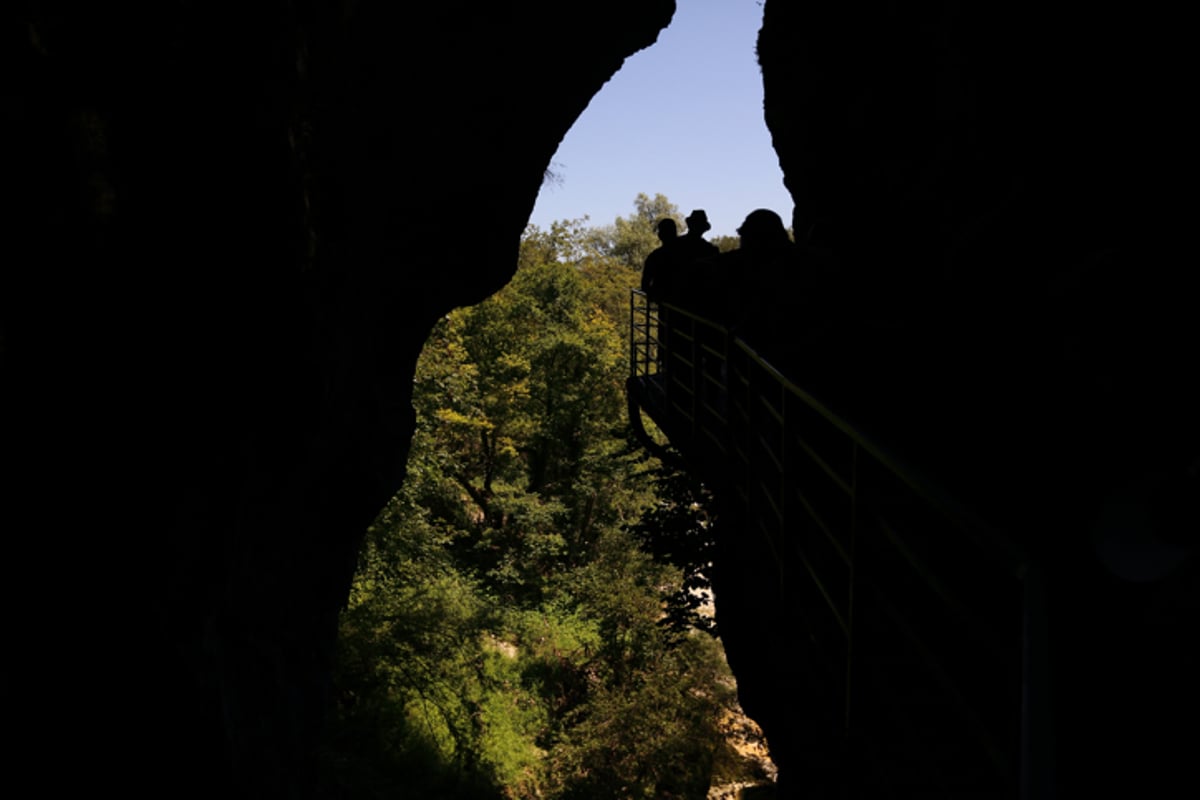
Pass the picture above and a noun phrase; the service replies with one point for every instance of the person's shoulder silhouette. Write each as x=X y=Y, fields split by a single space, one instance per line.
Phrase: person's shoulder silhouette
x=656 y=263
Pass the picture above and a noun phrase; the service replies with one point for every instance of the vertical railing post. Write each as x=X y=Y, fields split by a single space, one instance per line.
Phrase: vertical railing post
x=697 y=372
x=850 y=546
x=1037 y=737
x=633 y=360
x=653 y=334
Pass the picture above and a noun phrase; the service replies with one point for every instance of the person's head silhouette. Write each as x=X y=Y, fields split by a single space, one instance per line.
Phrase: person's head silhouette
x=697 y=222
x=762 y=230
x=667 y=230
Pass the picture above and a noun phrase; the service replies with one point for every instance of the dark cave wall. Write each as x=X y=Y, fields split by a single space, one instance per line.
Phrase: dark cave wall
x=996 y=187
x=1011 y=314
x=229 y=227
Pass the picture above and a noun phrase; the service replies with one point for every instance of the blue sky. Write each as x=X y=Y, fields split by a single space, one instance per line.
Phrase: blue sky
x=681 y=118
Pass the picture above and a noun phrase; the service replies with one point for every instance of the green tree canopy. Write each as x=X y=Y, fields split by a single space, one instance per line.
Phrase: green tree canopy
x=510 y=633
x=630 y=239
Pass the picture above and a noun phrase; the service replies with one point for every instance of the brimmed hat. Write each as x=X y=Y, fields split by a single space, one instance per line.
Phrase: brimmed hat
x=697 y=219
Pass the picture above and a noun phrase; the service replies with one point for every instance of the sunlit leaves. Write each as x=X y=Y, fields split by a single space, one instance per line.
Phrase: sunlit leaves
x=504 y=633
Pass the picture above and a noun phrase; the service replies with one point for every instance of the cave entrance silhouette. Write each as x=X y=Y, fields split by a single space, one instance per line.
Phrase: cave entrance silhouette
x=682 y=118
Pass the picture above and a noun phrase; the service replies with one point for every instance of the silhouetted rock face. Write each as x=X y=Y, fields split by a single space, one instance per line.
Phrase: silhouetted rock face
x=230 y=226
x=1014 y=314
x=996 y=186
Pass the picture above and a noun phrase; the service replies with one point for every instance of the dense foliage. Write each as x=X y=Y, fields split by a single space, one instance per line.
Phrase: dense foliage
x=510 y=632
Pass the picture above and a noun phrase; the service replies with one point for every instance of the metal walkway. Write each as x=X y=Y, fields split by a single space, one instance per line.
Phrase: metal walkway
x=919 y=612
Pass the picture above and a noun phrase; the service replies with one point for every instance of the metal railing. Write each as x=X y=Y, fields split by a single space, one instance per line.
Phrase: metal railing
x=921 y=607
x=678 y=360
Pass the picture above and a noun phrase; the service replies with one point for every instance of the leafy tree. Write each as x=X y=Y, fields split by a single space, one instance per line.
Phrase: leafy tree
x=630 y=239
x=676 y=530
x=548 y=368
x=726 y=243
x=655 y=735
x=565 y=241
x=506 y=633
x=409 y=690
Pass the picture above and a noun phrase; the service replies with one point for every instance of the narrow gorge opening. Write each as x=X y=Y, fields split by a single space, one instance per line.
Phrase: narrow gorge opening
x=531 y=615
x=683 y=117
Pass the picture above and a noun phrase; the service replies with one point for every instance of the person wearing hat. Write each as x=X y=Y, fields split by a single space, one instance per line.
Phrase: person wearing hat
x=674 y=281
x=696 y=246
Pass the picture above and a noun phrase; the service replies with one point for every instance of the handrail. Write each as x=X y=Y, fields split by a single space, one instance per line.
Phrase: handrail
x=732 y=412
x=991 y=539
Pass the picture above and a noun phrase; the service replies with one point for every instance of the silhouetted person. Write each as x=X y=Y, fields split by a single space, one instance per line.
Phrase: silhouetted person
x=678 y=274
x=658 y=260
x=695 y=245
x=763 y=235
x=740 y=282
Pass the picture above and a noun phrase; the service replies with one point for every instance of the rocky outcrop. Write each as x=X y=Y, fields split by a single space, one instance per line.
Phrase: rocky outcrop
x=230 y=227
x=994 y=184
